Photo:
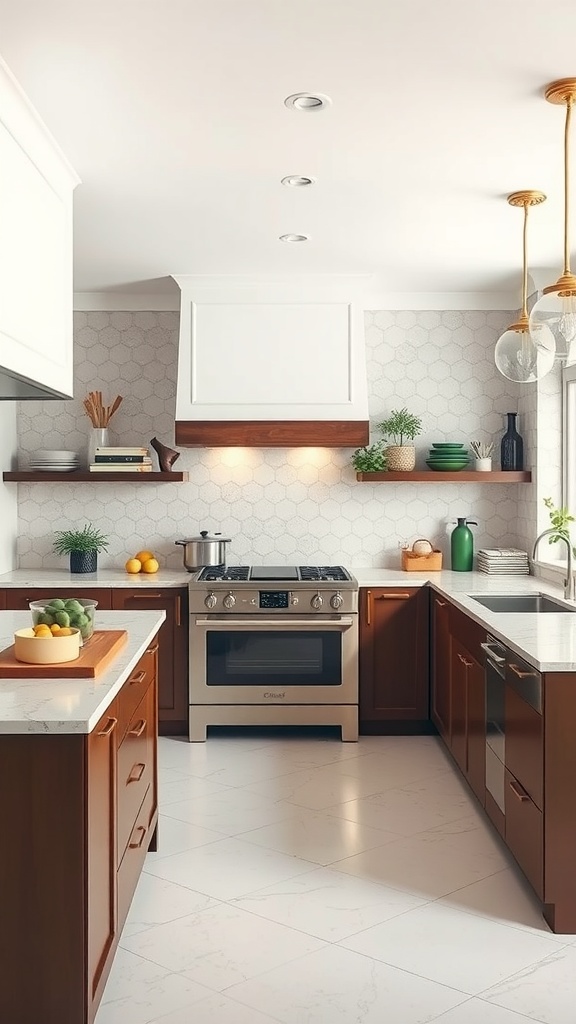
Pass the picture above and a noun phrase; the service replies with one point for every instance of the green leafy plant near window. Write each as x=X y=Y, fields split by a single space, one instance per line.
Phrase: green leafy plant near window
x=86 y=539
x=560 y=519
x=400 y=426
x=370 y=459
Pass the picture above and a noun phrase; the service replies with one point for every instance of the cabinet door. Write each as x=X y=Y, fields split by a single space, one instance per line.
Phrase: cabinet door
x=524 y=744
x=17 y=599
x=524 y=831
x=440 y=702
x=394 y=655
x=476 y=727
x=101 y=853
x=173 y=648
x=458 y=702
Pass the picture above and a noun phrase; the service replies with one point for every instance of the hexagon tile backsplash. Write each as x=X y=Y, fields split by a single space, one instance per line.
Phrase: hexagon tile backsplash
x=288 y=505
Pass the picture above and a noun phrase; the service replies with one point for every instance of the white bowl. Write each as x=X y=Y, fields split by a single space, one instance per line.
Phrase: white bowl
x=53 y=455
x=45 y=650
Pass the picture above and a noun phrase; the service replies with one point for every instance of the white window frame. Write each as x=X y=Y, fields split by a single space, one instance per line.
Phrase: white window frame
x=569 y=436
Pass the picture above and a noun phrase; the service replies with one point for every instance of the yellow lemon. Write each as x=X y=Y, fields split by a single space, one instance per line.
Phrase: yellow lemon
x=143 y=556
x=150 y=565
x=42 y=630
x=55 y=628
x=133 y=565
x=65 y=631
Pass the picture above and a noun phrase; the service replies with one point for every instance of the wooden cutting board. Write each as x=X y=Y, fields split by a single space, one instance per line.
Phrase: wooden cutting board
x=95 y=656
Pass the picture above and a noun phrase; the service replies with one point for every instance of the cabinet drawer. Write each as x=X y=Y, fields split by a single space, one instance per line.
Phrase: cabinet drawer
x=524 y=745
x=135 y=687
x=135 y=766
x=135 y=855
x=18 y=598
x=524 y=832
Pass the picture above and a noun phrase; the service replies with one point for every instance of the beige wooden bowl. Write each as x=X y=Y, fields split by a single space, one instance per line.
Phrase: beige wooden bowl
x=44 y=650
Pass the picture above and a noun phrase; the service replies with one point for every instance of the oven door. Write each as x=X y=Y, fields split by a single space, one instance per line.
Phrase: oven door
x=250 y=659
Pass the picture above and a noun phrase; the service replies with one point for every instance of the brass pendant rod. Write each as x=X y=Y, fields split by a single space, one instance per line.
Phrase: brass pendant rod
x=569 y=100
x=524 y=313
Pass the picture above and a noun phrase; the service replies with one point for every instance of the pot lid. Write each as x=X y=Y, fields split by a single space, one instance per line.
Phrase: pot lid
x=205 y=535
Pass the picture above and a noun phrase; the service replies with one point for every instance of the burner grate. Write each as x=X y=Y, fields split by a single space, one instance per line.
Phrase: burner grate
x=331 y=573
x=234 y=573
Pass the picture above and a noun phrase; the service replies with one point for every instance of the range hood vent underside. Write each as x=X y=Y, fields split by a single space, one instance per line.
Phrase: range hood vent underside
x=272 y=433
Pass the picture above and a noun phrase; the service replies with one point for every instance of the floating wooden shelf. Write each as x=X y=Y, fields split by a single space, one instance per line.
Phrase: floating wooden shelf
x=461 y=476
x=94 y=478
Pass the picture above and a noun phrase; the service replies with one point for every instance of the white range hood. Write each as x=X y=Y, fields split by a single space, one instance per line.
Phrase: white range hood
x=271 y=363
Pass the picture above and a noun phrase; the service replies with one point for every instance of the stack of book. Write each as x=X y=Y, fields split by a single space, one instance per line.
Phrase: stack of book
x=503 y=562
x=121 y=460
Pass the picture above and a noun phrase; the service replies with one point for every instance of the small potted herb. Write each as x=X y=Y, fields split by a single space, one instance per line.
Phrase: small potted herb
x=370 y=459
x=401 y=426
x=82 y=546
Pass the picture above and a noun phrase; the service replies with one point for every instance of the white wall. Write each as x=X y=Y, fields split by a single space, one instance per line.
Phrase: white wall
x=297 y=505
x=8 y=492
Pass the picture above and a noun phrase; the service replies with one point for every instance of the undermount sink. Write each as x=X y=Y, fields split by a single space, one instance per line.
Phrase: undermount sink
x=521 y=603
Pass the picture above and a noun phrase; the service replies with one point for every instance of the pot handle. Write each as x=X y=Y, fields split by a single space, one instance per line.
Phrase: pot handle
x=182 y=542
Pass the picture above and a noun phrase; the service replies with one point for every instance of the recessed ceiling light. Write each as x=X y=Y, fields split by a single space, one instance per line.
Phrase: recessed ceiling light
x=294 y=238
x=307 y=101
x=298 y=180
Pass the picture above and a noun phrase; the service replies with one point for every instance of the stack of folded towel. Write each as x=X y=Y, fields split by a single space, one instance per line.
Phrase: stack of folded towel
x=503 y=562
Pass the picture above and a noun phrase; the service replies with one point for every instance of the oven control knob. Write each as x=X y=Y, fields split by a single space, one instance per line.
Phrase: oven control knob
x=293 y=599
x=316 y=601
x=336 y=601
x=229 y=601
x=210 y=601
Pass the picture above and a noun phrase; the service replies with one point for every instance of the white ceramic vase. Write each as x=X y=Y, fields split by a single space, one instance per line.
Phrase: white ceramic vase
x=98 y=438
x=483 y=465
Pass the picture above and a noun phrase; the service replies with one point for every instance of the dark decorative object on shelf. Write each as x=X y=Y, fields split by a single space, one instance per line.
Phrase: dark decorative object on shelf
x=166 y=456
x=512 y=446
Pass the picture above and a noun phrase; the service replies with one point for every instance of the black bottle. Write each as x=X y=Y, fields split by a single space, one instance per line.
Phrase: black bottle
x=512 y=446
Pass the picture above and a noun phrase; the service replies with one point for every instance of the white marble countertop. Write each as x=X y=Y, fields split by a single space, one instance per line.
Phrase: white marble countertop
x=63 y=579
x=546 y=640
x=71 y=705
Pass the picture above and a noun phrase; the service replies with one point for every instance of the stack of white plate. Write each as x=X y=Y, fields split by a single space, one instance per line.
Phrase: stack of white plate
x=50 y=460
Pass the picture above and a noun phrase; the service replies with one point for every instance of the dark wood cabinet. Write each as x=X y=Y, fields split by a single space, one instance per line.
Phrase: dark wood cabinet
x=476 y=729
x=458 y=703
x=466 y=735
x=173 y=698
x=524 y=832
x=18 y=599
x=394 y=659
x=66 y=882
x=440 y=665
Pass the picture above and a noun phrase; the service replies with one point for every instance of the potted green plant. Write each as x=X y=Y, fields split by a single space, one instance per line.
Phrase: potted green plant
x=399 y=427
x=370 y=459
x=82 y=546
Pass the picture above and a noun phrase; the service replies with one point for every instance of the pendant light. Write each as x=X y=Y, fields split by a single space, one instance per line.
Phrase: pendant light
x=518 y=355
x=556 y=310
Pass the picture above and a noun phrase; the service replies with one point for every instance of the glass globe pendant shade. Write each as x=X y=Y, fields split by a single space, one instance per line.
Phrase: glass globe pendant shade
x=555 y=314
x=518 y=357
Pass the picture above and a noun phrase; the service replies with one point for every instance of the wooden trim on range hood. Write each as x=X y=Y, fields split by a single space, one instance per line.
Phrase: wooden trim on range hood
x=272 y=433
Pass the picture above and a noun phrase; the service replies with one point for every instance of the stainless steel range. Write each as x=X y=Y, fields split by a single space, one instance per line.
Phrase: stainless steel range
x=273 y=645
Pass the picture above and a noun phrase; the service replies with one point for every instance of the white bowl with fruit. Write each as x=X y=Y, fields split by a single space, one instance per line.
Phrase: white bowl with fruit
x=41 y=645
x=65 y=613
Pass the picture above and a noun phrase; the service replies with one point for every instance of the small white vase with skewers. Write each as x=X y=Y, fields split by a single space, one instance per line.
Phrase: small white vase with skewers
x=483 y=452
x=99 y=416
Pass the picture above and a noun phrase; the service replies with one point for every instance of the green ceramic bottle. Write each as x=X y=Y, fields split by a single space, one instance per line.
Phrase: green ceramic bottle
x=462 y=546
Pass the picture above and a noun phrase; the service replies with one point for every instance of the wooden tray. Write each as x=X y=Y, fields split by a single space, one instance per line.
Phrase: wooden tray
x=422 y=563
x=96 y=655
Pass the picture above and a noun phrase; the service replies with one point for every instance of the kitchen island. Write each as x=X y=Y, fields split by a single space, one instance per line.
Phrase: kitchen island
x=78 y=805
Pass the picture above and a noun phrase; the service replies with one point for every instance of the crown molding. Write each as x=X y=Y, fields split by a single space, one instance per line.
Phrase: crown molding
x=125 y=302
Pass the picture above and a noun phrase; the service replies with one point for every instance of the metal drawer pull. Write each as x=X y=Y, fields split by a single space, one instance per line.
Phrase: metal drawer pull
x=393 y=597
x=152 y=650
x=490 y=651
x=368 y=607
x=112 y=722
x=255 y=625
x=145 y=596
x=522 y=675
x=139 y=728
x=138 y=678
x=178 y=620
x=519 y=792
x=441 y=604
x=136 y=846
x=464 y=662
x=136 y=773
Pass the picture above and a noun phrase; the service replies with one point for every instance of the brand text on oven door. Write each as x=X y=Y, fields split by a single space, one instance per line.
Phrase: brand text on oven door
x=271 y=693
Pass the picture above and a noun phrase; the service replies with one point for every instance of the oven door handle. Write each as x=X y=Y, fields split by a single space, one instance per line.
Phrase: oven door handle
x=255 y=624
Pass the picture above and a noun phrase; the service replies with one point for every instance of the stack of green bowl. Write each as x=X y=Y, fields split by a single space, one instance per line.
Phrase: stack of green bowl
x=447 y=457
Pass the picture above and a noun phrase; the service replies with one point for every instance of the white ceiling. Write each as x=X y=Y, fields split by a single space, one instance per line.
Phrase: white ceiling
x=172 y=113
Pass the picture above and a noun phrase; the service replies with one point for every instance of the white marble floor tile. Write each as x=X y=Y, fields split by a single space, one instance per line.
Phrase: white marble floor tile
x=175 y=836
x=138 y=991
x=318 y=837
x=191 y=787
x=328 y=904
x=228 y=869
x=232 y=812
x=433 y=863
x=507 y=898
x=445 y=945
x=221 y=946
x=414 y=808
x=476 y=1011
x=318 y=788
x=544 y=992
x=336 y=986
x=397 y=765
x=218 y=1009
x=157 y=901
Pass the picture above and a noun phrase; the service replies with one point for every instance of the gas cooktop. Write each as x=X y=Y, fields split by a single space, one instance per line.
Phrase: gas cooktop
x=275 y=574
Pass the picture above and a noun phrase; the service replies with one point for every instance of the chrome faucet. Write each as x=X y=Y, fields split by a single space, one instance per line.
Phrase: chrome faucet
x=569 y=582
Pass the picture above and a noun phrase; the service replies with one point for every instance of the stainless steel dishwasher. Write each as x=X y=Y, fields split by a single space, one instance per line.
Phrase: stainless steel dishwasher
x=495 y=673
